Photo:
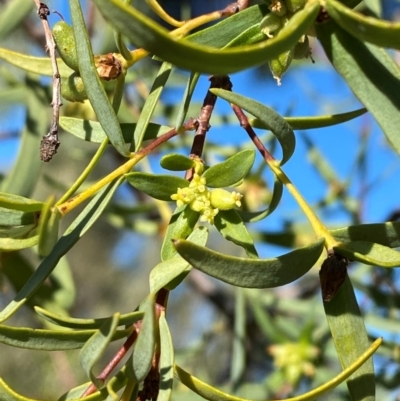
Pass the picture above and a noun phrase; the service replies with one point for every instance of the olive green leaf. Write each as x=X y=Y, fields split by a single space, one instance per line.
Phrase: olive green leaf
x=251 y=273
x=10 y=217
x=75 y=231
x=166 y=361
x=96 y=346
x=50 y=340
x=140 y=361
x=143 y=32
x=232 y=228
x=176 y=162
x=181 y=225
x=92 y=131
x=82 y=324
x=96 y=93
x=270 y=118
x=387 y=234
x=16 y=202
x=171 y=272
x=48 y=227
x=351 y=340
x=230 y=171
x=37 y=65
x=149 y=106
x=371 y=74
x=313 y=122
x=158 y=186
x=369 y=253
x=252 y=217
x=213 y=394
x=251 y=35
x=367 y=29
x=16 y=244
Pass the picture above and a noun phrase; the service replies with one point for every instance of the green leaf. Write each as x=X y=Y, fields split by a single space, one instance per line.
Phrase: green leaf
x=213 y=394
x=176 y=162
x=82 y=324
x=16 y=202
x=181 y=225
x=387 y=234
x=10 y=217
x=150 y=105
x=252 y=217
x=48 y=227
x=249 y=36
x=139 y=363
x=143 y=32
x=91 y=131
x=25 y=172
x=49 y=340
x=370 y=73
x=75 y=231
x=171 y=272
x=230 y=171
x=231 y=227
x=95 y=347
x=270 y=118
x=369 y=253
x=351 y=339
x=37 y=65
x=225 y=31
x=16 y=244
x=166 y=361
x=95 y=91
x=158 y=186
x=367 y=29
x=251 y=273
x=313 y=122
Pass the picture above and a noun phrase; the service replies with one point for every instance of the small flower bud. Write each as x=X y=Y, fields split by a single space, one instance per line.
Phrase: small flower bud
x=280 y=65
x=225 y=200
x=302 y=49
x=271 y=24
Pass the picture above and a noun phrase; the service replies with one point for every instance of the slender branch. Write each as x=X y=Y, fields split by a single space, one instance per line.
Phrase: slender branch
x=203 y=120
x=50 y=142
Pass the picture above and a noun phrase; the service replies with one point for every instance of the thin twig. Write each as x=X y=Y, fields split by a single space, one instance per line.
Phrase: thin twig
x=50 y=142
x=203 y=120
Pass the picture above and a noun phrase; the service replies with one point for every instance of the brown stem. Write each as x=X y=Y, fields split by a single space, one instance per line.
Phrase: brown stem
x=50 y=142
x=203 y=120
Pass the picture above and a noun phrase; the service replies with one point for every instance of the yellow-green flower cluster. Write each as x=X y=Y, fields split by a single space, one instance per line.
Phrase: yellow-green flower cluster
x=205 y=201
x=295 y=359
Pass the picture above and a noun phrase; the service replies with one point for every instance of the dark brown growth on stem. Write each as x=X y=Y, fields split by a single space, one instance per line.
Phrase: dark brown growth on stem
x=43 y=11
x=332 y=275
x=48 y=147
x=151 y=384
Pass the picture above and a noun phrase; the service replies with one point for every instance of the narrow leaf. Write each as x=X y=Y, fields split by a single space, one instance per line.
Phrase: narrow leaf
x=370 y=253
x=16 y=202
x=213 y=394
x=49 y=340
x=157 y=186
x=230 y=171
x=139 y=363
x=91 y=131
x=351 y=340
x=16 y=244
x=251 y=273
x=94 y=348
x=166 y=361
x=171 y=272
x=232 y=228
x=96 y=93
x=82 y=324
x=367 y=29
x=313 y=122
x=48 y=227
x=10 y=217
x=270 y=118
x=150 y=105
x=181 y=225
x=371 y=74
x=143 y=32
x=37 y=65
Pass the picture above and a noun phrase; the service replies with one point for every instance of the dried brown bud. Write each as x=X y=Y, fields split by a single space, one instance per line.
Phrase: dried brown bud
x=49 y=146
x=332 y=275
x=108 y=66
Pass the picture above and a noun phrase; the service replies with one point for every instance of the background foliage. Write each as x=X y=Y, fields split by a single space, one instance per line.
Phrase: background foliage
x=255 y=343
